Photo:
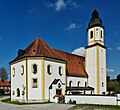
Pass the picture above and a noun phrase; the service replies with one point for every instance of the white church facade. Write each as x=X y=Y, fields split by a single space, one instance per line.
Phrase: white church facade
x=40 y=73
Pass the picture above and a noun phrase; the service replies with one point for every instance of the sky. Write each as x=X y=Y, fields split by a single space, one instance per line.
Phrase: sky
x=61 y=24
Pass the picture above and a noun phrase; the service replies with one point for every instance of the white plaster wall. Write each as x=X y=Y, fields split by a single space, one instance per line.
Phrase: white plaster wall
x=55 y=75
x=102 y=69
x=18 y=80
x=75 y=81
x=90 y=63
x=101 y=100
x=34 y=94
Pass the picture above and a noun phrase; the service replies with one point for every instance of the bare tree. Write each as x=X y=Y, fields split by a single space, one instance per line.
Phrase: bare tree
x=3 y=74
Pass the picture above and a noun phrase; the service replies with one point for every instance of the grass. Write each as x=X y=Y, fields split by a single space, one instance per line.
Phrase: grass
x=22 y=103
x=3 y=95
x=94 y=107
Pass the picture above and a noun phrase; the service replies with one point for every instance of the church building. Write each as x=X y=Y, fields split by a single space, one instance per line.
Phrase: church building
x=40 y=73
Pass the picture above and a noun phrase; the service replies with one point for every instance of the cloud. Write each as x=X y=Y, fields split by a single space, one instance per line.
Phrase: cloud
x=79 y=51
x=118 y=48
x=73 y=4
x=31 y=10
x=109 y=70
x=109 y=48
x=62 y=4
x=72 y=26
x=58 y=5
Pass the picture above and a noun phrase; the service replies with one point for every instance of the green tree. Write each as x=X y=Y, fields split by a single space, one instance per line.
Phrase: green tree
x=118 y=80
x=108 y=80
x=3 y=74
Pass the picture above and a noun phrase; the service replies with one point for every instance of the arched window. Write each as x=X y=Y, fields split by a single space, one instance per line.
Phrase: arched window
x=13 y=72
x=78 y=83
x=91 y=34
x=18 y=92
x=34 y=68
x=101 y=34
x=85 y=84
x=70 y=83
x=60 y=70
x=49 y=69
x=22 y=70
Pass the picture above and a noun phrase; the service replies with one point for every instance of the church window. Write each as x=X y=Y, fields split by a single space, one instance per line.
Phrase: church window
x=91 y=34
x=102 y=84
x=13 y=72
x=49 y=69
x=13 y=92
x=101 y=34
x=85 y=84
x=18 y=92
x=70 y=83
x=34 y=68
x=78 y=83
x=102 y=50
x=22 y=70
x=102 y=70
x=34 y=83
x=60 y=70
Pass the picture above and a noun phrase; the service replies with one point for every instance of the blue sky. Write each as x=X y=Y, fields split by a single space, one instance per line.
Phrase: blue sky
x=61 y=24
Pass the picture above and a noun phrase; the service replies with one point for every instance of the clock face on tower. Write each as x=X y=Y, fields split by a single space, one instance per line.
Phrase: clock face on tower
x=96 y=29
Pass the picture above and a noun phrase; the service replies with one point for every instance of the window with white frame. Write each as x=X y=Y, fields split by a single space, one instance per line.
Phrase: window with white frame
x=49 y=69
x=22 y=70
x=102 y=84
x=70 y=83
x=60 y=71
x=34 y=68
x=34 y=83
x=78 y=83
x=13 y=72
x=18 y=92
x=101 y=34
x=91 y=34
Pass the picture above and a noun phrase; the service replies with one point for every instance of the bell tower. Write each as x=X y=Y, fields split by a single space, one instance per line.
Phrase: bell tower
x=95 y=55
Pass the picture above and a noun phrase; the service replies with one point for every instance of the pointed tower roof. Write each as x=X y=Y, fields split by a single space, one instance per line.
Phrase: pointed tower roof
x=37 y=48
x=95 y=20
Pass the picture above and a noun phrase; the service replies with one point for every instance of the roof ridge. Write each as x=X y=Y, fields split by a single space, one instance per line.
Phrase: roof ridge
x=69 y=53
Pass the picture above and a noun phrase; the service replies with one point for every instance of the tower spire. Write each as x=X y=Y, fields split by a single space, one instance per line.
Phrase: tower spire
x=95 y=20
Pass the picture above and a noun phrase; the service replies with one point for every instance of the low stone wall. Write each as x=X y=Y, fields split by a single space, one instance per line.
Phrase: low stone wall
x=92 y=99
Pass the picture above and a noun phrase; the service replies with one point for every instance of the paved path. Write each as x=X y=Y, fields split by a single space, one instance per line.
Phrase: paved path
x=50 y=106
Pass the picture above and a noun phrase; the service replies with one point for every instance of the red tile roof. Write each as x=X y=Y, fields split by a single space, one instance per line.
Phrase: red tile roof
x=75 y=64
x=5 y=83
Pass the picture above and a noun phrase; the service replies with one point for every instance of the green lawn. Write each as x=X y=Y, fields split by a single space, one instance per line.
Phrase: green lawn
x=3 y=95
x=94 y=107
